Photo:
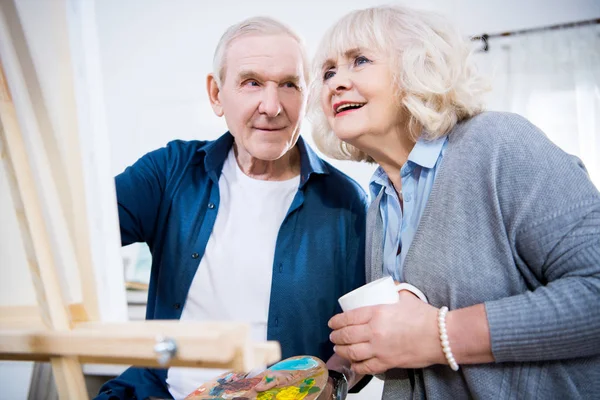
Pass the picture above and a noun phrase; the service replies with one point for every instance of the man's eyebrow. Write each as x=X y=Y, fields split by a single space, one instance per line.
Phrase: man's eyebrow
x=246 y=75
x=291 y=78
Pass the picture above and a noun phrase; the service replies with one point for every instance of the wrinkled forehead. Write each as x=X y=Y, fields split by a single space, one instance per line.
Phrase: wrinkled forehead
x=271 y=54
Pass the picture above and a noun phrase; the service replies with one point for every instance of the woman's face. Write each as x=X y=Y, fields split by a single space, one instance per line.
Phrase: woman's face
x=359 y=97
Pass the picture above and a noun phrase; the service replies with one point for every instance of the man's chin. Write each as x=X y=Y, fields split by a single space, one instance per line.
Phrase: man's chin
x=269 y=155
x=270 y=151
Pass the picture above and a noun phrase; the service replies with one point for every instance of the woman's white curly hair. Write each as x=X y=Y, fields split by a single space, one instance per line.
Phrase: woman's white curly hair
x=434 y=73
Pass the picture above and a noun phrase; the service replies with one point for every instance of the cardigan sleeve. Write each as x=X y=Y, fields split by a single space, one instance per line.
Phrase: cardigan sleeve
x=552 y=217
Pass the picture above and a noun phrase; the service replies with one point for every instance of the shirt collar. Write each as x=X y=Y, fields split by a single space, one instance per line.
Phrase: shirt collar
x=215 y=153
x=310 y=162
x=425 y=153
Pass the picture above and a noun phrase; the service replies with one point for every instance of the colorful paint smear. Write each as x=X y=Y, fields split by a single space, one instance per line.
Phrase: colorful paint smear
x=297 y=392
x=297 y=378
x=295 y=364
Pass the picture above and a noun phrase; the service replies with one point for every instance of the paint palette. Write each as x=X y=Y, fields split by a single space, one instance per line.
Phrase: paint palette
x=295 y=378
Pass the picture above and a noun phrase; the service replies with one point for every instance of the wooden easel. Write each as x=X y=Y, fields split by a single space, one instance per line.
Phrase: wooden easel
x=50 y=202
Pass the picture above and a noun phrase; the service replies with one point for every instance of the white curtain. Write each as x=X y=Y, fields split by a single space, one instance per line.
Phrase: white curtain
x=553 y=79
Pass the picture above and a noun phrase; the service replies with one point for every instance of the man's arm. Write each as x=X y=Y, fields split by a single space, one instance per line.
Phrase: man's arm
x=139 y=193
x=136 y=383
x=140 y=190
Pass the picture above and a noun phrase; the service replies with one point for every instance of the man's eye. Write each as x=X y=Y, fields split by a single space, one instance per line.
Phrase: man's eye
x=251 y=83
x=328 y=74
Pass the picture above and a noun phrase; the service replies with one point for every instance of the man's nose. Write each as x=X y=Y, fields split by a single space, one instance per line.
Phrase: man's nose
x=270 y=103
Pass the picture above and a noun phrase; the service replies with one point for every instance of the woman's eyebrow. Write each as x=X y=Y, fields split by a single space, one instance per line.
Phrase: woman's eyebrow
x=348 y=54
x=353 y=52
x=328 y=63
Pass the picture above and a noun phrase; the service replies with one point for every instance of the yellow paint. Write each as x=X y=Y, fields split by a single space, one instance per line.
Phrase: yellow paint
x=288 y=393
x=291 y=393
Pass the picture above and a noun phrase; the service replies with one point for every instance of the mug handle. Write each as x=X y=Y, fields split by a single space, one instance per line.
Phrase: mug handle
x=412 y=289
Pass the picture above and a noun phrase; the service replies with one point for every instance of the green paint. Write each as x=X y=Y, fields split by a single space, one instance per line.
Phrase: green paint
x=314 y=389
x=269 y=379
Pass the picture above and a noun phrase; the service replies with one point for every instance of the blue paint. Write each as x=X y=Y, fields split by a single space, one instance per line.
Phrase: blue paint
x=299 y=364
x=217 y=390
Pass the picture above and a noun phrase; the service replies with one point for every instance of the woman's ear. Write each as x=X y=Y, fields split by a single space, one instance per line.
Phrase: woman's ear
x=212 y=87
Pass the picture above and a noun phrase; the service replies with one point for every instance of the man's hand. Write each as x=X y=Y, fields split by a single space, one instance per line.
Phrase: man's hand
x=378 y=338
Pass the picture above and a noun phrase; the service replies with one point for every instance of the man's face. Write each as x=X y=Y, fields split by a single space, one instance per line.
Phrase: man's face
x=263 y=94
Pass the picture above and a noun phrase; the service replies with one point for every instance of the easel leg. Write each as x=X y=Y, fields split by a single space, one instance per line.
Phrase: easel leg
x=68 y=376
x=67 y=371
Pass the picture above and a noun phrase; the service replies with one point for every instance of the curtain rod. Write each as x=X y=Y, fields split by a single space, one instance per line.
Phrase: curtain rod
x=485 y=37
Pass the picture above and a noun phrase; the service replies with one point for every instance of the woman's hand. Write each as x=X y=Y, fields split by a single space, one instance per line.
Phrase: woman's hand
x=378 y=338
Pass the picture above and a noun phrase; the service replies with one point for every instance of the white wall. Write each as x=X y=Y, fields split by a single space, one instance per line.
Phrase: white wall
x=156 y=54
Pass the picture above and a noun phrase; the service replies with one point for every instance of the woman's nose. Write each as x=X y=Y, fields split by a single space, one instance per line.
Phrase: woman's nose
x=340 y=81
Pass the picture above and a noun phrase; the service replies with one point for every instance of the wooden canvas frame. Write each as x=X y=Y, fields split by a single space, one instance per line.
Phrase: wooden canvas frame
x=52 y=189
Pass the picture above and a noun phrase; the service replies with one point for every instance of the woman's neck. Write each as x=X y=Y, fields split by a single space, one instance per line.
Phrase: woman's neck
x=390 y=151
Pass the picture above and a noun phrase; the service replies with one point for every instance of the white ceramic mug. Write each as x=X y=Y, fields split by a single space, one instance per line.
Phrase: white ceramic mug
x=381 y=291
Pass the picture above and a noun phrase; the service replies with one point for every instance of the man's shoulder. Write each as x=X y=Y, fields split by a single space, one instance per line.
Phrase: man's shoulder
x=178 y=153
x=338 y=175
x=171 y=160
x=339 y=185
x=185 y=148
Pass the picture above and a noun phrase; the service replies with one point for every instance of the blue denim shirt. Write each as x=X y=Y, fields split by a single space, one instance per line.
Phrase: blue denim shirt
x=170 y=199
x=400 y=225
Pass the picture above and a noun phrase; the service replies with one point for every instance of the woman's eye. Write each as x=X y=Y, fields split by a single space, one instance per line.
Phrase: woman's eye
x=290 y=85
x=328 y=74
x=360 y=60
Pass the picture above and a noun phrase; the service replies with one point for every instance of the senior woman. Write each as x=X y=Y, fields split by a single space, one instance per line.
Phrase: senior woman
x=479 y=210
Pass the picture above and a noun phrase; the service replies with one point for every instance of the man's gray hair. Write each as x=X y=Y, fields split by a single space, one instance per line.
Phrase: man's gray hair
x=253 y=26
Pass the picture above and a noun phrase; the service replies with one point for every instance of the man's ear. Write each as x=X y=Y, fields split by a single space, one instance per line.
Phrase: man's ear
x=213 y=95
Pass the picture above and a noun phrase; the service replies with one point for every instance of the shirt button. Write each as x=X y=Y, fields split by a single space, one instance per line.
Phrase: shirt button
x=276 y=321
x=195 y=255
x=211 y=205
x=408 y=197
x=177 y=306
x=280 y=267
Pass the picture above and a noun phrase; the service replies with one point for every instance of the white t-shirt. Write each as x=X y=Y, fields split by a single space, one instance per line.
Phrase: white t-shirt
x=233 y=281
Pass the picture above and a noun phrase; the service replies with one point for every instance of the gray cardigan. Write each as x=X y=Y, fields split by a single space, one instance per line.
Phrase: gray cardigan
x=513 y=222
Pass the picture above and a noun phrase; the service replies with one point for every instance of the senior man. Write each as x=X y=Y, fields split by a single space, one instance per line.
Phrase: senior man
x=251 y=227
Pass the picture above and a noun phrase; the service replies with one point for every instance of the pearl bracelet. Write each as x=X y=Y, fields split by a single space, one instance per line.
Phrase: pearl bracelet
x=444 y=338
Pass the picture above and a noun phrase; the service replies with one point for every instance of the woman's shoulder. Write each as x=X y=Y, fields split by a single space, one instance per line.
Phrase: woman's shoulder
x=492 y=127
x=501 y=143
x=497 y=135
